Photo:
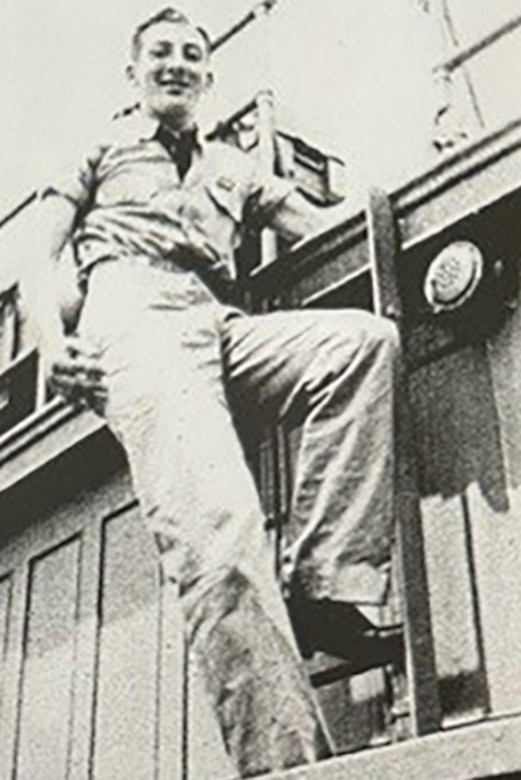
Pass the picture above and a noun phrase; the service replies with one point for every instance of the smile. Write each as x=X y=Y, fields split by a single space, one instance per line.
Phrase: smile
x=174 y=85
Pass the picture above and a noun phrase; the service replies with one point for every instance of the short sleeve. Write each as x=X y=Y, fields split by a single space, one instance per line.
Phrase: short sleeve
x=77 y=180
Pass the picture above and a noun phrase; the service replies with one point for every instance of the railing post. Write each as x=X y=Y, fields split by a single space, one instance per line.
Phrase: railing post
x=266 y=161
x=412 y=575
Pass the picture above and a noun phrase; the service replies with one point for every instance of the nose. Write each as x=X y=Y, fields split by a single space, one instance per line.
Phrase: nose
x=176 y=60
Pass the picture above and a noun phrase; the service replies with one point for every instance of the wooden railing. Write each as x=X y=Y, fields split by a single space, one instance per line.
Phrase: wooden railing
x=457 y=507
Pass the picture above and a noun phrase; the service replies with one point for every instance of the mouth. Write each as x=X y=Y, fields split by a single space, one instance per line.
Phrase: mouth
x=174 y=86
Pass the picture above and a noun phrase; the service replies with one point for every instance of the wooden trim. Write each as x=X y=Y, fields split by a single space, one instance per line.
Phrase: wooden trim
x=487 y=750
x=50 y=433
x=416 y=205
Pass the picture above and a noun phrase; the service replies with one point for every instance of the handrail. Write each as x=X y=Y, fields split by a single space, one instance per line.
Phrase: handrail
x=18 y=209
x=262 y=8
x=458 y=59
x=222 y=126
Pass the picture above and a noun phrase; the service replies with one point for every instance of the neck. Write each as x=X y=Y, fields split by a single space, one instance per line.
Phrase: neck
x=178 y=128
x=176 y=122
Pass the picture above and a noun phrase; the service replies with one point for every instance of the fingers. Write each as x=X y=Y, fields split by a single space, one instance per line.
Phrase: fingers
x=77 y=375
x=80 y=391
x=77 y=382
x=77 y=368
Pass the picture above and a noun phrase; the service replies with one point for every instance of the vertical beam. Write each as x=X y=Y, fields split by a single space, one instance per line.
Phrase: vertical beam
x=172 y=737
x=14 y=668
x=266 y=123
x=87 y=651
x=450 y=123
x=383 y=248
x=266 y=162
x=412 y=575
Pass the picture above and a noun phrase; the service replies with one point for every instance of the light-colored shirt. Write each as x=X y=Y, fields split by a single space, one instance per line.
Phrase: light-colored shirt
x=131 y=201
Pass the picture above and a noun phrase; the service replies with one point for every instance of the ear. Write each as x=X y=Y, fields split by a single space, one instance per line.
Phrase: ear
x=130 y=73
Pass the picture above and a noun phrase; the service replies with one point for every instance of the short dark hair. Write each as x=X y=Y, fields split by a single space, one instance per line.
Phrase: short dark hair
x=168 y=14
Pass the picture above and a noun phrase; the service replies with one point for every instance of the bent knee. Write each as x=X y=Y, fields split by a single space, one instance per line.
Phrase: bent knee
x=376 y=333
x=383 y=332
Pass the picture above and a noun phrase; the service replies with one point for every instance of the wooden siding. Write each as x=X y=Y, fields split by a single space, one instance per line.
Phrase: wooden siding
x=87 y=646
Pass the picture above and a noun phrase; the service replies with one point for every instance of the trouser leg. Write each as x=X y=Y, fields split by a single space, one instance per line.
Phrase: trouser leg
x=167 y=407
x=331 y=372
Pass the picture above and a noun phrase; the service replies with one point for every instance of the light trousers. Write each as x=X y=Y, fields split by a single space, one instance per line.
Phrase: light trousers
x=185 y=376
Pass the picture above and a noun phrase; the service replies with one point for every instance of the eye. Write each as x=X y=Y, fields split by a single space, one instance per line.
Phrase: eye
x=192 y=52
x=159 y=51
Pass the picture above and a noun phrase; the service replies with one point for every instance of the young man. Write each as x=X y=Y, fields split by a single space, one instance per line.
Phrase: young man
x=154 y=214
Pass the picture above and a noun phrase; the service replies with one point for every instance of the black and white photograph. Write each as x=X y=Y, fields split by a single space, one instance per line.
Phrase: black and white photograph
x=260 y=390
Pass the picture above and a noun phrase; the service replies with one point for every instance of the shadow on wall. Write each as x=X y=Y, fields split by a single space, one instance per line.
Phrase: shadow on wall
x=458 y=428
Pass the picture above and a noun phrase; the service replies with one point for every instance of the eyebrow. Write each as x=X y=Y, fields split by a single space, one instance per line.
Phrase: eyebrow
x=166 y=42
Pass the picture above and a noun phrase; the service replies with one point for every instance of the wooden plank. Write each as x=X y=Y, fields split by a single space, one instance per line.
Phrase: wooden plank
x=9 y=725
x=478 y=474
x=425 y=709
x=459 y=661
x=172 y=668
x=497 y=549
x=49 y=655
x=5 y=610
x=495 y=509
x=6 y=606
x=421 y=669
x=86 y=643
x=504 y=355
x=456 y=445
x=484 y=751
x=383 y=248
x=125 y=739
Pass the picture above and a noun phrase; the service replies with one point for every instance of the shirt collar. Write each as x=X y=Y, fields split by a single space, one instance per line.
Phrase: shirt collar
x=146 y=127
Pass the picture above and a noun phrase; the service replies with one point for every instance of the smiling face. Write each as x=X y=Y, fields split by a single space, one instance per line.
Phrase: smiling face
x=171 y=71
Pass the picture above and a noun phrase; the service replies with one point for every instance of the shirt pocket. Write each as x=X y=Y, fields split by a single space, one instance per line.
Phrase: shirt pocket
x=127 y=186
x=227 y=199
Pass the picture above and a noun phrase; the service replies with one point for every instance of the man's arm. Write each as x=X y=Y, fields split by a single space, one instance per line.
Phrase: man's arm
x=53 y=299
x=50 y=271
x=296 y=218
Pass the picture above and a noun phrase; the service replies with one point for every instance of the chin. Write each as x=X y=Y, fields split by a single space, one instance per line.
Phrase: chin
x=176 y=109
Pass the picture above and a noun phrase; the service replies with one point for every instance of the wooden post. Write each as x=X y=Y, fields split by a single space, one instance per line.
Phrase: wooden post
x=266 y=161
x=412 y=576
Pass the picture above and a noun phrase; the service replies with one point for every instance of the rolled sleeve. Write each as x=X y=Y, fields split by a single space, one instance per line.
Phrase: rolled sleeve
x=76 y=182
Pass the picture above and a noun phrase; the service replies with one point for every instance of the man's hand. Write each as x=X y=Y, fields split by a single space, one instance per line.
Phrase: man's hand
x=300 y=221
x=72 y=369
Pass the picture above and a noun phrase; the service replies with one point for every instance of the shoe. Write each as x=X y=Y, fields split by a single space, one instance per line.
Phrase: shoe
x=339 y=629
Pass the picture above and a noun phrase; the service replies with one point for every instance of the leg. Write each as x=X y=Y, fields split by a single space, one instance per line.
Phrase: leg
x=166 y=405
x=332 y=372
